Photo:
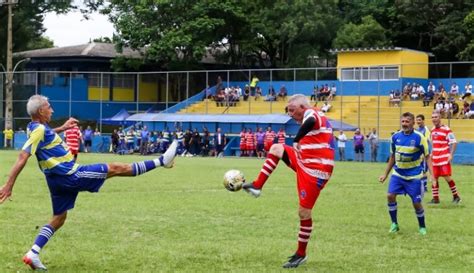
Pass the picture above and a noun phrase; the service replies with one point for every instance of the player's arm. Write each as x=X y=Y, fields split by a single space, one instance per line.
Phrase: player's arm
x=390 y=164
x=452 y=151
x=306 y=127
x=71 y=122
x=6 y=190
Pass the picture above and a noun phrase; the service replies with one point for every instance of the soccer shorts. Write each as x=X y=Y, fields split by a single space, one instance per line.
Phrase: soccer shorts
x=267 y=146
x=309 y=186
x=413 y=188
x=443 y=170
x=260 y=147
x=243 y=147
x=64 y=188
x=359 y=149
x=88 y=143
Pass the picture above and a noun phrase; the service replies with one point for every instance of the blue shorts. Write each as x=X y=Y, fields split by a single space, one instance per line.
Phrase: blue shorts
x=414 y=188
x=64 y=188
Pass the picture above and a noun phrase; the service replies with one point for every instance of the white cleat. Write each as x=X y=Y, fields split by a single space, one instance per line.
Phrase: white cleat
x=250 y=189
x=34 y=261
x=167 y=159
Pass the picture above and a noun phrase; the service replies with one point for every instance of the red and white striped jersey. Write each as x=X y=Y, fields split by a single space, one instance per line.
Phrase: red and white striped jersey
x=441 y=138
x=72 y=136
x=242 y=137
x=270 y=137
x=250 y=140
x=281 y=137
x=317 y=147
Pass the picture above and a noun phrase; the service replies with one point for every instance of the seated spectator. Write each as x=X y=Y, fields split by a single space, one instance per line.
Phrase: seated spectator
x=443 y=94
x=314 y=95
x=282 y=93
x=470 y=114
x=324 y=92
x=220 y=98
x=428 y=98
x=332 y=92
x=465 y=109
x=258 y=92
x=454 y=109
x=439 y=107
x=246 y=92
x=454 y=90
x=420 y=90
x=467 y=91
x=326 y=107
x=395 y=98
x=447 y=109
x=414 y=95
x=233 y=98
x=406 y=92
x=271 y=96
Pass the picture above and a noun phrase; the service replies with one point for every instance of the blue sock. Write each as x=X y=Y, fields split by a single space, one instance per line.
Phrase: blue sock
x=43 y=237
x=142 y=167
x=420 y=214
x=424 y=181
x=392 y=209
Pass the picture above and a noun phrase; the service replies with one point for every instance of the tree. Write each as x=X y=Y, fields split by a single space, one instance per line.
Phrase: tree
x=467 y=54
x=40 y=42
x=369 y=33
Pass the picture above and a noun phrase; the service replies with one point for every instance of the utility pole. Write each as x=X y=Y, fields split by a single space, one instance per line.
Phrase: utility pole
x=9 y=82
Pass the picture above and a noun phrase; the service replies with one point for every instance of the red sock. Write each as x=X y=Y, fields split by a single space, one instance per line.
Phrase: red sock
x=306 y=226
x=453 y=188
x=270 y=164
x=435 y=190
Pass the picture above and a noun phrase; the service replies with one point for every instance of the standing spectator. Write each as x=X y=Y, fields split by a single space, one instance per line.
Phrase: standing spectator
x=341 y=145
x=144 y=143
x=179 y=136
x=206 y=143
x=73 y=138
x=138 y=136
x=187 y=143
x=219 y=142
x=64 y=177
x=130 y=140
x=260 y=136
x=314 y=95
x=97 y=132
x=8 y=133
x=87 y=135
x=358 y=145
x=283 y=92
x=115 y=141
x=253 y=85
x=281 y=136
x=407 y=149
x=444 y=147
x=467 y=91
x=269 y=139
x=165 y=139
x=373 y=139
x=195 y=143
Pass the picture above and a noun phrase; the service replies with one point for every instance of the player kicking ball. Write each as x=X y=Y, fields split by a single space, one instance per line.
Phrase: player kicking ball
x=65 y=178
x=311 y=157
x=408 y=149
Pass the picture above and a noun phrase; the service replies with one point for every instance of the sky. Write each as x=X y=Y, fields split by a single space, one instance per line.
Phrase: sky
x=72 y=29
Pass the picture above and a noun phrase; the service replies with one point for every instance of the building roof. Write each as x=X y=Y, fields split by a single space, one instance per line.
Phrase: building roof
x=376 y=49
x=97 y=50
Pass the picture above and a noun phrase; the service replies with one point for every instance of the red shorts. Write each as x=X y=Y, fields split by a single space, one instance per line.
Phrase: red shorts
x=309 y=186
x=443 y=170
x=74 y=152
x=243 y=147
x=267 y=146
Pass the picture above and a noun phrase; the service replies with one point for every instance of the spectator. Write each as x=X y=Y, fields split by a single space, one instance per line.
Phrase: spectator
x=246 y=92
x=414 y=92
x=455 y=109
x=283 y=92
x=341 y=145
x=439 y=106
x=395 y=98
x=443 y=94
x=239 y=91
x=97 y=132
x=323 y=92
x=470 y=114
x=431 y=88
x=374 y=144
x=467 y=90
x=138 y=135
x=271 y=94
x=358 y=145
x=8 y=133
x=428 y=97
x=314 y=95
x=114 y=141
x=260 y=139
x=187 y=143
x=219 y=142
x=220 y=98
x=144 y=143
x=206 y=143
x=406 y=92
x=258 y=92
x=195 y=144
x=87 y=135
x=130 y=140
x=326 y=107
x=454 y=90
x=447 y=109
x=253 y=85
x=332 y=92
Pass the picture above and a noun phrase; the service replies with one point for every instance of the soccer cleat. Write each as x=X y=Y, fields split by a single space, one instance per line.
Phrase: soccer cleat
x=422 y=231
x=250 y=189
x=294 y=261
x=34 y=261
x=456 y=200
x=434 y=201
x=167 y=159
x=394 y=228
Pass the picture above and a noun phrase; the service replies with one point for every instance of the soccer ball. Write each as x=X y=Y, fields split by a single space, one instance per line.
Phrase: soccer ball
x=233 y=180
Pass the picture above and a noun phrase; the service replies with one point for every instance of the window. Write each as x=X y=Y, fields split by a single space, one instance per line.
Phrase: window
x=25 y=79
x=47 y=77
x=124 y=81
x=94 y=79
x=369 y=73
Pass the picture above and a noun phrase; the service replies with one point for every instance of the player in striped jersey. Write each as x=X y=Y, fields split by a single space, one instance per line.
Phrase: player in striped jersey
x=65 y=178
x=423 y=129
x=311 y=157
x=444 y=147
x=73 y=138
x=408 y=149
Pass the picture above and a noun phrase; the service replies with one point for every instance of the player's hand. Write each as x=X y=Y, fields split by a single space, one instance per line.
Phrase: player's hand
x=382 y=178
x=450 y=157
x=5 y=193
x=71 y=122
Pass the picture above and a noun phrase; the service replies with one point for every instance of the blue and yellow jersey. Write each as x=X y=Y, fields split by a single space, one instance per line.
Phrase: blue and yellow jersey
x=52 y=153
x=409 y=151
x=425 y=132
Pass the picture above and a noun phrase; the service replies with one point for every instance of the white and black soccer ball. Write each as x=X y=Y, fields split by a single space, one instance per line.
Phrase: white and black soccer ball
x=233 y=180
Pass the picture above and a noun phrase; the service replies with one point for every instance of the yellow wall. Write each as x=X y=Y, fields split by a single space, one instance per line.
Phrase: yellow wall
x=94 y=93
x=417 y=70
x=148 y=92
x=386 y=58
x=122 y=94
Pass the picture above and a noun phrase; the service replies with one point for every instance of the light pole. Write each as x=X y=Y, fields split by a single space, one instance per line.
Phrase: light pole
x=8 y=91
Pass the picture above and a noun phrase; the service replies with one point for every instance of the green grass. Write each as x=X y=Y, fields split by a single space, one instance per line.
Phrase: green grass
x=183 y=220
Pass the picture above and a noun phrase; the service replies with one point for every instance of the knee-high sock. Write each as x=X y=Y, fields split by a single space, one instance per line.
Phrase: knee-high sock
x=42 y=239
x=392 y=210
x=420 y=215
x=270 y=164
x=435 y=190
x=453 y=188
x=306 y=226
x=142 y=167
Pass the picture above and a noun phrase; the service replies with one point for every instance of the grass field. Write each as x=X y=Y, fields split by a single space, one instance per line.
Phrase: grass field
x=183 y=220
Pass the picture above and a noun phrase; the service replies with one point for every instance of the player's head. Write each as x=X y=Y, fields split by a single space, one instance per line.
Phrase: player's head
x=297 y=104
x=407 y=122
x=420 y=120
x=39 y=109
x=436 y=118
